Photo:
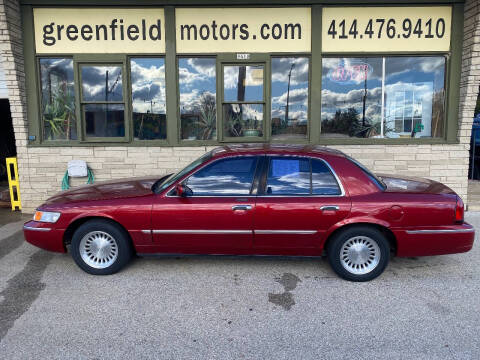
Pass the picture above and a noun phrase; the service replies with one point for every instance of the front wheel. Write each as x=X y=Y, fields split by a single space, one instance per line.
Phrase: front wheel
x=360 y=253
x=101 y=247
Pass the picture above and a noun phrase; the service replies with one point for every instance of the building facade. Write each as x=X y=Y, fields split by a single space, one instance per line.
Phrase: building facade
x=141 y=88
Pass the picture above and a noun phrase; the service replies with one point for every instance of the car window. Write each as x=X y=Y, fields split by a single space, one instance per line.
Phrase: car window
x=288 y=176
x=233 y=176
x=157 y=188
x=323 y=181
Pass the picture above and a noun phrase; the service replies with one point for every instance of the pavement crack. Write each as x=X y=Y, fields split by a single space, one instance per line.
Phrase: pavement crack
x=22 y=290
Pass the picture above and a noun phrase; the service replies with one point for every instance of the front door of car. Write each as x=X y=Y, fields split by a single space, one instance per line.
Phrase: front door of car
x=299 y=200
x=216 y=217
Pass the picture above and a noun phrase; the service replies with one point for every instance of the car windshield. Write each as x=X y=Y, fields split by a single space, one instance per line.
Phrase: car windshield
x=381 y=185
x=174 y=177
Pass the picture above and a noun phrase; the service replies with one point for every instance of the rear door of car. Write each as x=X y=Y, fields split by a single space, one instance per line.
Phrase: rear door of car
x=217 y=218
x=299 y=199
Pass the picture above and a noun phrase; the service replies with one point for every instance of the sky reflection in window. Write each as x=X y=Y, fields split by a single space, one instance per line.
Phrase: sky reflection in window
x=224 y=177
x=289 y=97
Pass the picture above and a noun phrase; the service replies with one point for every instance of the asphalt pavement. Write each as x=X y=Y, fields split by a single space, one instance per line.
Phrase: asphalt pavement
x=235 y=308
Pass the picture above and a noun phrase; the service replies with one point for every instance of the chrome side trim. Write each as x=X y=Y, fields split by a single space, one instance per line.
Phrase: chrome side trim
x=443 y=231
x=35 y=229
x=202 y=231
x=146 y=231
x=263 y=232
x=288 y=232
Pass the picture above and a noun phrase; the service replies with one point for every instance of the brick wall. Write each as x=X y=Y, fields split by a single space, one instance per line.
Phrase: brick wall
x=42 y=168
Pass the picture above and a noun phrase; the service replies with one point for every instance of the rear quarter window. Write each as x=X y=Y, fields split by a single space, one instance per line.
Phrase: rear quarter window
x=323 y=181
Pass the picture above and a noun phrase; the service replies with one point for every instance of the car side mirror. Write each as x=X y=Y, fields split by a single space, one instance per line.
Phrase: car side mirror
x=183 y=190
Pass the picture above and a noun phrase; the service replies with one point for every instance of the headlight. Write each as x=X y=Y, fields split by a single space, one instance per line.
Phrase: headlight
x=46 y=216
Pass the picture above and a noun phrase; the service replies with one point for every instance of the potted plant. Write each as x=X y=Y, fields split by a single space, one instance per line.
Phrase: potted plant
x=251 y=128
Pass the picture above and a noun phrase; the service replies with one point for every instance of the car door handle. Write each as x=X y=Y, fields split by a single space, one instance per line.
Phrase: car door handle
x=241 y=207
x=330 y=208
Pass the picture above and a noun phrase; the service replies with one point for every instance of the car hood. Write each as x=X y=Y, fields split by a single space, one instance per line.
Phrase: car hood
x=115 y=189
x=409 y=184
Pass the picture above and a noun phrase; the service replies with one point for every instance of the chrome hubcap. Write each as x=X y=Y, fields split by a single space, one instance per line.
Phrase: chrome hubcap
x=98 y=249
x=360 y=255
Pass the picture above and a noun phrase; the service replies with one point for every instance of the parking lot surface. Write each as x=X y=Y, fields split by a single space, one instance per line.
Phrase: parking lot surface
x=235 y=308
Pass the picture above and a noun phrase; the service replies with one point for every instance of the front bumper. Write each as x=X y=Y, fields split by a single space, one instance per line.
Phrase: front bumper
x=44 y=236
x=435 y=240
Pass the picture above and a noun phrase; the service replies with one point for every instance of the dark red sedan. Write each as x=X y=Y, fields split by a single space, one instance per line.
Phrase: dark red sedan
x=257 y=200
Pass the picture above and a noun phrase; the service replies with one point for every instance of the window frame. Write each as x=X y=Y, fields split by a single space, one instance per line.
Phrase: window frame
x=79 y=62
x=264 y=102
x=451 y=99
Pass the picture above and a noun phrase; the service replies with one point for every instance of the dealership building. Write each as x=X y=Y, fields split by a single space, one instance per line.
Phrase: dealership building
x=142 y=88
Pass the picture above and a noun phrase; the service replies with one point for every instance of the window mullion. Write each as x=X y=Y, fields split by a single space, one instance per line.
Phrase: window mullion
x=267 y=106
x=220 y=96
x=382 y=116
x=126 y=111
x=78 y=105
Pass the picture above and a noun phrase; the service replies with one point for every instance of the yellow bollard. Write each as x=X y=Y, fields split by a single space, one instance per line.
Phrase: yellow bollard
x=13 y=183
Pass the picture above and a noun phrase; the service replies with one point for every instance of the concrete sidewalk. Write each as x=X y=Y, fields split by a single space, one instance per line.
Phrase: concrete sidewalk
x=236 y=308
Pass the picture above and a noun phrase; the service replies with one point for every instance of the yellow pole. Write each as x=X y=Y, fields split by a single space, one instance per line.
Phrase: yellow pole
x=13 y=183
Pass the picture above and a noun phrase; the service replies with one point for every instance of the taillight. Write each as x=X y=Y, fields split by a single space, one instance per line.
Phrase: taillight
x=459 y=211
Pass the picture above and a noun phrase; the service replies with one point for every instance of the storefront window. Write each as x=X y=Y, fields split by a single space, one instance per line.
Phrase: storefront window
x=351 y=97
x=243 y=107
x=414 y=96
x=198 y=108
x=58 y=99
x=392 y=97
x=148 y=98
x=289 y=98
x=102 y=101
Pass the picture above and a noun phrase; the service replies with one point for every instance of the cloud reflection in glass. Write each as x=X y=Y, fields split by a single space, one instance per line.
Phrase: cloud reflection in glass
x=224 y=177
x=148 y=98
x=289 y=97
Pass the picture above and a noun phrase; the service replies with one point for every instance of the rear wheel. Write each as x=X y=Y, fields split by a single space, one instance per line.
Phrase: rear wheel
x=359 y=253
x=100 y=247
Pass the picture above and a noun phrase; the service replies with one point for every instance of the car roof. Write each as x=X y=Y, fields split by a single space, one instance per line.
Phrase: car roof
x=232 y=150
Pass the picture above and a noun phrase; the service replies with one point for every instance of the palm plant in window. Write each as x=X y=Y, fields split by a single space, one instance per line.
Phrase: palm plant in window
x=233 y=119
x=58 y=99
x=207 y=121
x=59 y=114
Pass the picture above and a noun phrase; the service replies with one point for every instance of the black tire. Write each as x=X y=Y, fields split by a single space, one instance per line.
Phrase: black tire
x=368 y=266
x=119 y=251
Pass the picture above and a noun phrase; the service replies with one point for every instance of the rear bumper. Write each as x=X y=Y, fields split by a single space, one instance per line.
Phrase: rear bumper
x=435 y=240
x=44 y=236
